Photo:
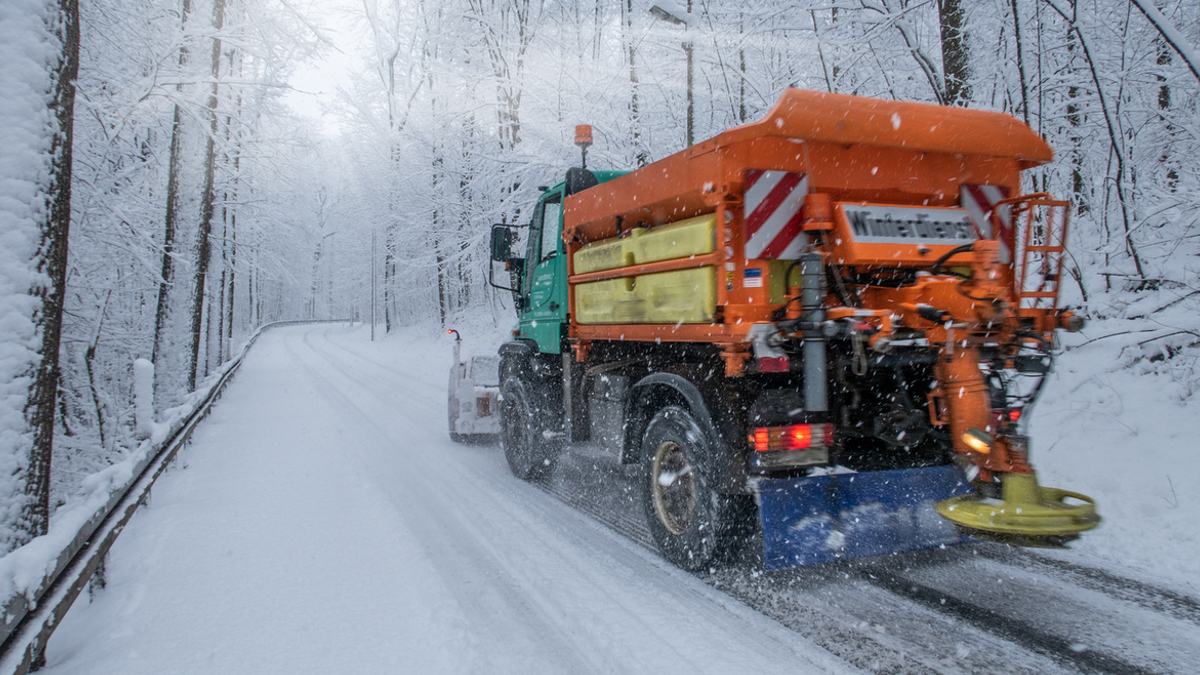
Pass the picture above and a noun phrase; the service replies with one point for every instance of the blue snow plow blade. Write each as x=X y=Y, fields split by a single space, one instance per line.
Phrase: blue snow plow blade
x=824 y=518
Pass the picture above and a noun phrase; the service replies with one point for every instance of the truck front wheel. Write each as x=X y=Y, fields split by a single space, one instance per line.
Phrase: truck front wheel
x=523 y=432
x=693 y=525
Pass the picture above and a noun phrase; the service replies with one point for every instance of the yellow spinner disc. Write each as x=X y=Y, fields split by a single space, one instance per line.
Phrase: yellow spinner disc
x=1028 y=514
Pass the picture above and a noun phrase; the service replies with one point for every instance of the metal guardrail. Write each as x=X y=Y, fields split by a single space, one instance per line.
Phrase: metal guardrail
x=26 y=625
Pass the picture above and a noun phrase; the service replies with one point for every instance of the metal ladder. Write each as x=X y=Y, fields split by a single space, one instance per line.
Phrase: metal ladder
x=1041 y=251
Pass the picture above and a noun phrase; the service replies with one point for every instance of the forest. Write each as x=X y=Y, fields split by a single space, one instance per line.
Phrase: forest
x=161 y=198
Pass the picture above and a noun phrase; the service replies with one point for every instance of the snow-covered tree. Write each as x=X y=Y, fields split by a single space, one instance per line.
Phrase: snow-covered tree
x=39 y=45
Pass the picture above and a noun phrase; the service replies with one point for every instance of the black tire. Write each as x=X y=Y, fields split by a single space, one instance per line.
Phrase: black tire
x=694 y=526
x=523 y=432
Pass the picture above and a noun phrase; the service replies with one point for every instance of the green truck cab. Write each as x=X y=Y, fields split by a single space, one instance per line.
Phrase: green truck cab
x=540 y=276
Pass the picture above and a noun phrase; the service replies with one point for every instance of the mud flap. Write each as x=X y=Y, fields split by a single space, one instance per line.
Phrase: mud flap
x=823 y=518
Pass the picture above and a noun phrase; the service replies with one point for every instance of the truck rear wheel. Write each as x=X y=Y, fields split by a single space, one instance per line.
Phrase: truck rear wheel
x=693 y=525
x=523 y=432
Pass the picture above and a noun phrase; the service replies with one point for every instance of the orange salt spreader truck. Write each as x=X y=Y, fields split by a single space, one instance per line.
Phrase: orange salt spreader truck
x=830 y=323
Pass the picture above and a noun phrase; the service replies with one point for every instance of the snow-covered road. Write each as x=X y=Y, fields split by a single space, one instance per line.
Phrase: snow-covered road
x=322 y=521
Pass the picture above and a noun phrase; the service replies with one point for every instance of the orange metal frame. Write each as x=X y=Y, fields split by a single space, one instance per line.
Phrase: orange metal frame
x=852 y=149
x=855 y=151
x=1052 y=249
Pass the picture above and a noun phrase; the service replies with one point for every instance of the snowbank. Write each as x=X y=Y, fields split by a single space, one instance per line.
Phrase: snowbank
x=23 y=571
x=1119 y=421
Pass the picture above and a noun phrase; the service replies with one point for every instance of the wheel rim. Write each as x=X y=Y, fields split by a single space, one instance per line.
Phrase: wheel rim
x=673 y=487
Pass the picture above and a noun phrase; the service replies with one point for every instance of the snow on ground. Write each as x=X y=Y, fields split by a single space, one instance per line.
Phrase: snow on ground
x=1124 y=431
x=321 y=521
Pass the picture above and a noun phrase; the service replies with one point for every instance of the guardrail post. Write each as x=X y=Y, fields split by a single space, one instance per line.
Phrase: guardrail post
x=99 y=580
x=143 y=399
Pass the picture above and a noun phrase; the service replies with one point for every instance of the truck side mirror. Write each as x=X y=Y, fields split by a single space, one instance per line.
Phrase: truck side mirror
x=501 y=243
x=501 y=251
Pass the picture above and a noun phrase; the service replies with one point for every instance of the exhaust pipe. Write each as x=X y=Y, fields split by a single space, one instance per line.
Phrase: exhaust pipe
x=812 y=304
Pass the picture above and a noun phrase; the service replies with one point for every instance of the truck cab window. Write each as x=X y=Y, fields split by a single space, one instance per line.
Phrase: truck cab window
x=551 y=214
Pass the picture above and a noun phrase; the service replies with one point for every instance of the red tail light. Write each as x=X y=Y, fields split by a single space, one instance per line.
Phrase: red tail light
x=773 y=364
x=1000 y=416
x=797 y=437
x=791 y=437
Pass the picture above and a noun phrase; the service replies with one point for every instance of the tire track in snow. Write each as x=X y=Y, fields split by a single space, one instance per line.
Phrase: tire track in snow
x=1031 y=638
x=449 y=547
x=846 y=616
x=352 y=360
x=853 y=640
x=525 y=597
x=549 y=512
x=876 y=630
x=1062 y=650
x=1089 y=627
x=957 y=636
x=328 y=335
x=1122 y=588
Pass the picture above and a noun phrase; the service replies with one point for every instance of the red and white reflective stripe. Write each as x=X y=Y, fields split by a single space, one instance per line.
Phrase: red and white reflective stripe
x=773 y=200
x=980 y=201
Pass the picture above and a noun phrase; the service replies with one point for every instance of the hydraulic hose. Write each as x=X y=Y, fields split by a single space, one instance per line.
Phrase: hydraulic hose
x=936 y=267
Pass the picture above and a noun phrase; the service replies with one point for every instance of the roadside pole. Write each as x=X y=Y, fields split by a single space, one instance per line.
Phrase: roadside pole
x=372 y=284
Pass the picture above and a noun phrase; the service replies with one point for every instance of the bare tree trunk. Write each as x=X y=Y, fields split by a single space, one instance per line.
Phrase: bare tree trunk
x=463 y=270
x=231 y=212
x=203 y=243
x=956 y=66
x=439 y=179
x=741 y=68
x=232 y=286
x=443 y=282
x=205 y=362
x=1164 y=104
x=389 y=274
x=167 y=273
x=89 y=358
x=51 y=261
x=1020 y=47
x=256 y=292
x=640 y=154
x=218 y=353
x=214 y=311
x=1075 y=119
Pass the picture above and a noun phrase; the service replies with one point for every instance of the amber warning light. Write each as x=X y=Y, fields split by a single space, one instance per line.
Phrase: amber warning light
x=583 y=138
x=583 y=135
